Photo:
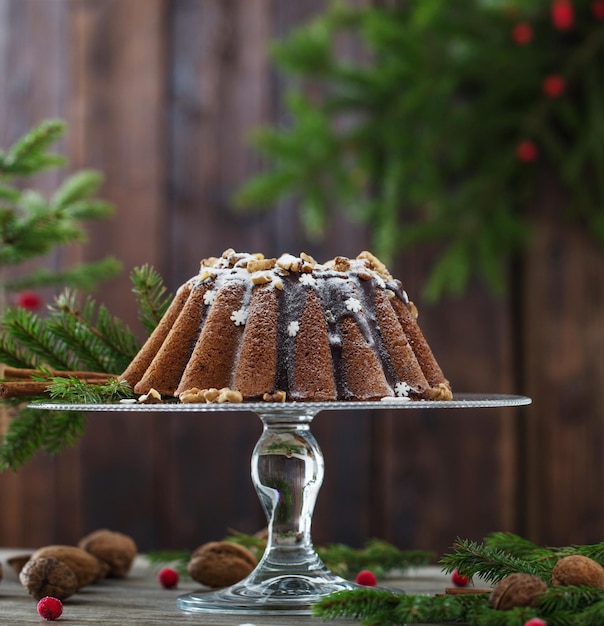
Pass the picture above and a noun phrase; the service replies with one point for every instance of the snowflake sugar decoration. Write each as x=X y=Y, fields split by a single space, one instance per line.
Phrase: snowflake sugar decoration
x=352 y=304
x=308 y=280
x=293 y=328
x=209 y=297
x=239 y=317
x=402 y=390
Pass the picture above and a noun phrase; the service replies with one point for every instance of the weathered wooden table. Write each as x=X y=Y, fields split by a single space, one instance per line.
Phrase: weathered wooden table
x=139 y=599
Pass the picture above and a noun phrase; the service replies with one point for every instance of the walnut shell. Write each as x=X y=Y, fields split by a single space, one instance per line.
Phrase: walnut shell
x=18 y=561
x=576 y=569
x=113 y=548
x=517 y=590
x=84 y=565
x=48 y=577
x=220 y=563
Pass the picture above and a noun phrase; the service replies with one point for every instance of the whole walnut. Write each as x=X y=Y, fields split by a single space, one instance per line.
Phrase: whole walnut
x=114 y=549
x=576 y=569
x=517 y=590
x=48 y=577
x=220 y=563
x=84 y=565
x=18 y=561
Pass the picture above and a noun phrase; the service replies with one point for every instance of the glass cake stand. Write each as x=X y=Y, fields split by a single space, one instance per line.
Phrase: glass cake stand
x=287 y=471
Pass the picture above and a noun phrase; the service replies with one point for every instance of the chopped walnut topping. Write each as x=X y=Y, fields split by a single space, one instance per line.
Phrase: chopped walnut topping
x=259 y=265
x=364 y=274
x=289 y=262
x=375 y=264
x=390 y=294
x=151 y=397
x=225 y=394
x=205 y=274
x=341 y=264
x=261 y=279
x=307 y=259
x=413 y=309
x=440 y=392
x=276 y=396
x=209 y=262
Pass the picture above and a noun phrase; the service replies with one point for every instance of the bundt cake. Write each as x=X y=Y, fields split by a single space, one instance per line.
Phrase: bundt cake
x=289 y=329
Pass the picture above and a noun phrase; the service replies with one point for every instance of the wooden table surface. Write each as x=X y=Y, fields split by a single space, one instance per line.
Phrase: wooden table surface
x=139 y=599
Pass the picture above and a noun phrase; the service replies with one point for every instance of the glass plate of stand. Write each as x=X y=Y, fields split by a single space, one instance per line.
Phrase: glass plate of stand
x=287 y=471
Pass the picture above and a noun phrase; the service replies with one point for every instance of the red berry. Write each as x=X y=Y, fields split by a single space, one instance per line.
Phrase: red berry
x=29 y=300
x=459 y=580
x=553 y=85
x=50 y=608
x=563 y=14
x=168 y=578
x=522 y=33
x=366 y=578
x=535 y=621
x=597 y=8
x=526 y=151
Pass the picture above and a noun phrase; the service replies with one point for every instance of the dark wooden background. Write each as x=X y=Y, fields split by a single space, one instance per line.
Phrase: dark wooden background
x=161 y=95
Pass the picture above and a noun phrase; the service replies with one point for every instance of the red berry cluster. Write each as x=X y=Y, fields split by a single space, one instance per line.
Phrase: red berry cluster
x=562 y=14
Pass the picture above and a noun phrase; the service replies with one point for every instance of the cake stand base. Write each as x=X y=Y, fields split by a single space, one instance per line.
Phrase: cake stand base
x=287 y=471
x=283 y=594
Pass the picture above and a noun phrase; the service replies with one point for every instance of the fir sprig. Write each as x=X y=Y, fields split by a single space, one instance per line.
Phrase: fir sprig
x=500 y=554
x=152 y=298
x=77 y=334
x=37 y=343
x=32 y=430
x=490 y=563
x=417 y=135
x=74 y=390
x=101 y=341
x=32 y=225
x=494 y=558
x=377 y=555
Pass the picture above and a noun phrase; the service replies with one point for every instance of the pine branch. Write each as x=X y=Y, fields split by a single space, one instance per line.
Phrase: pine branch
x=31 y=332
x=100 y=341
x=83 y=278
x=32 y=430
x=151 y=297
x=491 y=564
x=74 y=390
x=379 y=556
x=28 y=155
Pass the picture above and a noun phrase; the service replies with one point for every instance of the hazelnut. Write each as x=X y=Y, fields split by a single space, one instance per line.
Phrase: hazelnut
x=84 y=565
x=114 y=549
x=48 y=577
x=576 y=569
x=220 y=563
x=516 y=590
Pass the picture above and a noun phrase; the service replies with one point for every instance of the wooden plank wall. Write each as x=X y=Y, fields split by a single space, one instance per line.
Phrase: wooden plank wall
x=161 y=96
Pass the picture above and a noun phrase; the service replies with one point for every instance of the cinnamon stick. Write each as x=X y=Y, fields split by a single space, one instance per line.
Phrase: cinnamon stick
x=29 y=388
x=19 y=373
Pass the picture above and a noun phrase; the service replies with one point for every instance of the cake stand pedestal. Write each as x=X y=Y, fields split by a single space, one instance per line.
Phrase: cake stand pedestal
x=287 y=471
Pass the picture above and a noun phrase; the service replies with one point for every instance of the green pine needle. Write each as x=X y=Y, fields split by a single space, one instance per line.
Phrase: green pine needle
x=151 y=296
